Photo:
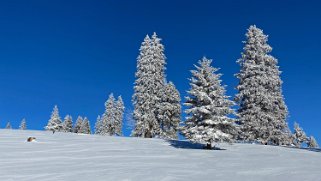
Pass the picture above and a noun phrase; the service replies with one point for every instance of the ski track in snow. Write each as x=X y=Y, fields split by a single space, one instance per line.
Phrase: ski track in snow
x=66 y=156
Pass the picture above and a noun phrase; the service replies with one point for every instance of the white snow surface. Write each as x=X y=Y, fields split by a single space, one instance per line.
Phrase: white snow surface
x=68 y=156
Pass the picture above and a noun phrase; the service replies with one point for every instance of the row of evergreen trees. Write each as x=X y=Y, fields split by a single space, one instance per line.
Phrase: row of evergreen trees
x=110 y=123
x=55 y=123
x=261 y=115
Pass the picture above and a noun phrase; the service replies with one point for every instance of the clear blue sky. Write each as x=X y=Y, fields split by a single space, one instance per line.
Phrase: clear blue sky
x=74 y=53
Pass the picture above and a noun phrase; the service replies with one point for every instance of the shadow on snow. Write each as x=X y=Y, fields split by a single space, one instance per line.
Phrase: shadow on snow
x=312 y=149
x=188 y=145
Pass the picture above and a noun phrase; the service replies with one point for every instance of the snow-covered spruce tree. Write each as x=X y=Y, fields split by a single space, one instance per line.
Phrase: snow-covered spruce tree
x=85 y=127
x=159 y=61
x=108 y=118
x=78 y=124
x=142 y=99
x=8 y=126
x=299 y=136
x=23 y=124
x=262 y=112
x=149 y=83
x=54 y=123
x=169 y=112
x=208 y=108
x=119 y=116
x=67 y=124
x=312 y=143
x=98 y=125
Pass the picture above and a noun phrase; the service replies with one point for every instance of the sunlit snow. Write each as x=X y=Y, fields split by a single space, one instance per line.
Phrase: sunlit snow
x=66 y=156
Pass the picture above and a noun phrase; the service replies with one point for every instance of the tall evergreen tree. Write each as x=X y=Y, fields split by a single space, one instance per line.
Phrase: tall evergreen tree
x=85 y=127
x=262 y=111
x=149 y=83
x=67 y=124
x=169 y=112
x=119 y=116
x=299 y=136
x=146 y=123
x=54 y=123
x=78 y=124
x=23 y=124
x=98 y=126
x=208 y=107
x=8 y=126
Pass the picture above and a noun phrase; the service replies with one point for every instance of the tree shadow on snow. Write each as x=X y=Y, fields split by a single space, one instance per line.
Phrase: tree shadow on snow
x=312 y=149
x=188 y=145
x=307 y=149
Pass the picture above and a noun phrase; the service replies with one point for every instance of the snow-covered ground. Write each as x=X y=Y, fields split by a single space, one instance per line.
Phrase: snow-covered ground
x=65 y=156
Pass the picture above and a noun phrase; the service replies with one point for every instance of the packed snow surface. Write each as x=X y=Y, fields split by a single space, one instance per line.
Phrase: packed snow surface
x=67 y=156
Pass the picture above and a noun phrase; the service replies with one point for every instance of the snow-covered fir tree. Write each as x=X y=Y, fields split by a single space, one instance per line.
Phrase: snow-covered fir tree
x=149 y=83
x=8 y=126
x=299 y=136
x=78 y=124
x=143 y=100
x=98 y=125
x=119 y=116
x=85 y=127
x=54 y=123
x=169 y=112
x=312 y=143
x=209 y=108
x=262 y=112
x=108 y=118
x=23 y=124
x=67 y=124
x=159 y=62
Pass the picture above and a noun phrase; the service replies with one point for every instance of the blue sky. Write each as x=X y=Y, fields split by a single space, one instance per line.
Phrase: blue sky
x=74 y=53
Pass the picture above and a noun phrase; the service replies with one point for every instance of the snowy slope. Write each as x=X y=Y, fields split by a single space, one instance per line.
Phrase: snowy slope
x=65 y=156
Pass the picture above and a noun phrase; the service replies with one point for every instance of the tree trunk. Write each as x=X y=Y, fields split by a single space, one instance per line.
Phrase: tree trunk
x=148 y=134
x=208 y=146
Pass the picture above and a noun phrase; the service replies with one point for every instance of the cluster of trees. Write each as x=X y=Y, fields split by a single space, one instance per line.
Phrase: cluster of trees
x=23 y=125
x=56 y=124
x=110 y=123
x=299 y=137
x=261 y=114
